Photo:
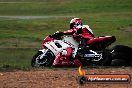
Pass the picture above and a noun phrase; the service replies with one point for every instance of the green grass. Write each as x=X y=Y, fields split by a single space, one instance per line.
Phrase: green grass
x=55 y=7
x=103 y=17
x=29 y=31
x=16 y=57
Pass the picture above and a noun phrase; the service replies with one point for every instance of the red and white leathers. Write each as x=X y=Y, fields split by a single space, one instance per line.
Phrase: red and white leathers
x=81 y=31
x=63 y=59
x=84 y=32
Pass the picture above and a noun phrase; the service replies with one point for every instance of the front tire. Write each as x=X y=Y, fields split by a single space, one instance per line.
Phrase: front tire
x=34 y=60
x=45 y=61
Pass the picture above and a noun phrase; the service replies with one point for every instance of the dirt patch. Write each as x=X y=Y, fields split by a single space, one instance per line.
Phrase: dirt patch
x=57 y=78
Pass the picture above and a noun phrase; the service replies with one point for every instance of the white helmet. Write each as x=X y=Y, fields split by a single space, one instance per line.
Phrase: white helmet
x=75 y=22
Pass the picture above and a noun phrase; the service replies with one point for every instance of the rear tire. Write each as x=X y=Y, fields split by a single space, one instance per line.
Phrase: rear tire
x=119 y=62
x=122 y=48
x=107 y=58
x=122 y=54
x=131 y=58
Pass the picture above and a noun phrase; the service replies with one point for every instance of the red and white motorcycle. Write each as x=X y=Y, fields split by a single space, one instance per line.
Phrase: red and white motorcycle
x=95 y=54
x=52 y=45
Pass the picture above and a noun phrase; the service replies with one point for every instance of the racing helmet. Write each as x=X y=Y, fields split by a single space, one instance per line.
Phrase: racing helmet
x=75 y=22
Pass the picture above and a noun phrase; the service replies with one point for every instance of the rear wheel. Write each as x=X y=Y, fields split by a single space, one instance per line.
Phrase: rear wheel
x=131 y=57
x=121 y=55
x=122 y=48
x=119 y=62
x=107 y=58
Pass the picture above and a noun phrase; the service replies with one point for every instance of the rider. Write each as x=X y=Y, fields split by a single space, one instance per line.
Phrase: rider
x=76 y=28
x=85 y=35
x=86 y=38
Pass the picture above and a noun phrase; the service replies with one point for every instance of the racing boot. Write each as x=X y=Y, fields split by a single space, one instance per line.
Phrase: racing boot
x=61 y=60
x=58 y=59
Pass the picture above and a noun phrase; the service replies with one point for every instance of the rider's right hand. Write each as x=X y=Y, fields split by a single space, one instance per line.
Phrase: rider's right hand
x=76 y=36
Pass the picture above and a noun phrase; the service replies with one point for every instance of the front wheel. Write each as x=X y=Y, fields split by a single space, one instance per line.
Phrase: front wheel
x=40 y=60
x=35 y=60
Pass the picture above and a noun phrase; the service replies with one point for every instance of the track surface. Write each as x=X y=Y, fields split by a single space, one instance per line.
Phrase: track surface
x=57 y=78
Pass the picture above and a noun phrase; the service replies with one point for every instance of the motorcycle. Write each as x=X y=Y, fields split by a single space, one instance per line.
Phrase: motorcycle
x=94 y=54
